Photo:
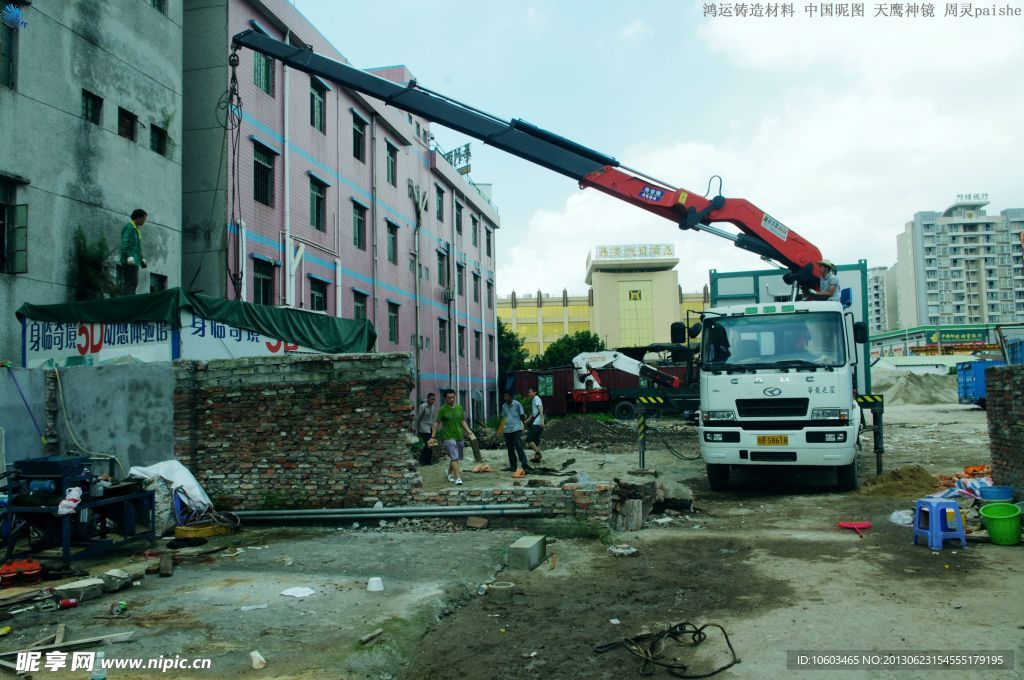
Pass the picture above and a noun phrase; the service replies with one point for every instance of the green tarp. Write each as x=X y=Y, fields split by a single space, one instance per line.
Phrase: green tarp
x=316 y=331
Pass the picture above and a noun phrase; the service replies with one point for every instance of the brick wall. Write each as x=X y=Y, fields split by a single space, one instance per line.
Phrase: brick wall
x=297 y=431
x=589 y=501
x=1005 y=395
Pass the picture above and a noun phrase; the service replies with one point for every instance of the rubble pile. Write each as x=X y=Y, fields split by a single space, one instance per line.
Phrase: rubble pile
x=586 y=432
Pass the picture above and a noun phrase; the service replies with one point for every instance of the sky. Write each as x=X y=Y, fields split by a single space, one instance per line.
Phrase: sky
x=839 y=127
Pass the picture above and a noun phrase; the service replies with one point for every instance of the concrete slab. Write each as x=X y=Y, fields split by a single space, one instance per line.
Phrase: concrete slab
x=527 y=552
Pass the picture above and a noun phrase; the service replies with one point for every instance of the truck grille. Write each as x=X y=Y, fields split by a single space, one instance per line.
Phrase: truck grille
x=773 y=456
x=774 y=408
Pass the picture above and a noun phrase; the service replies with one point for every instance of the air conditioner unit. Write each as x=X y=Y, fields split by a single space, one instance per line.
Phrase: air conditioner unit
x=449 y=295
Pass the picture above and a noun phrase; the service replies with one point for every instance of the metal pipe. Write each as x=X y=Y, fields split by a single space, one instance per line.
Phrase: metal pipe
x=395 y=509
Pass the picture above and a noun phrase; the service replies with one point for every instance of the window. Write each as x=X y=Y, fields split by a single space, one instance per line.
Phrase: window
x=476 y=288
x=317 y=295
x=442 y=336
x=461 y=338
x=477 y=341
x=439 y=203
x=159 y=5
x=475 y=226
x=392 y=165
x=460 y=279
x=263 y=73
x=417 y=129
x=490 y=295
x=442 y=270
x=490 y=347
x=158 y=140
x=358 y=138
x=317 y=92
x=317 y=204
x=487 y=238
x=262 y=175
x=358 y=306
x=359 y=226
x=127 y=123
x=392 y=242
x=458 y=218
x=412 y=264
x=13 y=232
x=262 y=282
x=392 y=322
x=7 y=51
x=157 y=283
x=92 y=107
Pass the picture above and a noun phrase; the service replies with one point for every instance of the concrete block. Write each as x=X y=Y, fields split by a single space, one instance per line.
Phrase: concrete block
x=86 y=589
x=527 y=552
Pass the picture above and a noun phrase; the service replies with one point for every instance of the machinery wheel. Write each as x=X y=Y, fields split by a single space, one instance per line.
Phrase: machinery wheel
x=718 y=477
x=625 y=410
x=846 y=477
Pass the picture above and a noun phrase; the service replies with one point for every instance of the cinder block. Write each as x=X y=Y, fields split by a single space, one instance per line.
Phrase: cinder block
x=86 y=589
x=527 y=552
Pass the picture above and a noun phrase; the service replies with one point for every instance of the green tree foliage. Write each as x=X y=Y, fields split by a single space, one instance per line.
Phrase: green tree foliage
x=511 y=353
x=561 y=351
x=92 y=279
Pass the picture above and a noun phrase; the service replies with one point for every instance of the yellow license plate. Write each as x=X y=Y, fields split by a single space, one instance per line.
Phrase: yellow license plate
x=773 y=440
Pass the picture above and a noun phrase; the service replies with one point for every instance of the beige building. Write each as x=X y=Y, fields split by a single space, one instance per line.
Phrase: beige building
x=634 y=298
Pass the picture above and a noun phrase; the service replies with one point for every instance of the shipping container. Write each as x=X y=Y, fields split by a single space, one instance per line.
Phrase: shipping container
x=970 y=381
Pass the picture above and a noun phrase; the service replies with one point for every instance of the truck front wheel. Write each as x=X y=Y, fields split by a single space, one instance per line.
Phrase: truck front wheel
x=718 y=477
x=846 y=477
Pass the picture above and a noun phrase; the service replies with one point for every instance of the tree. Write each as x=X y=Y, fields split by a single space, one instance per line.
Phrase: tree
x=511 y=353
x=561 y=351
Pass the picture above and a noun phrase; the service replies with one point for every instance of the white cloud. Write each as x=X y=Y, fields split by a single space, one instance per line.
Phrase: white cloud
x=637 y=30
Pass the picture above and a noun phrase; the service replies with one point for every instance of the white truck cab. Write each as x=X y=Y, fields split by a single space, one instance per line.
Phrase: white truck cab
x=777 y=387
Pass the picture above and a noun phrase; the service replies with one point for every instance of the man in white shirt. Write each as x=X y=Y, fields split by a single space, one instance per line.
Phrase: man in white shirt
x=424 y=422
x=536 y=423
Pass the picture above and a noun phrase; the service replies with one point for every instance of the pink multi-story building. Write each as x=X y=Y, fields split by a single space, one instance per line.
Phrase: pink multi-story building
x=315 y=197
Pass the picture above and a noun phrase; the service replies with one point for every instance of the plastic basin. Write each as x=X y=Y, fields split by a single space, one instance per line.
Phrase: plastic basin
x=1003 y=523
x=996 y=493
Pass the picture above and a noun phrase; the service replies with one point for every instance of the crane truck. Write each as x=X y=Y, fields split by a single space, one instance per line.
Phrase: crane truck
x=761 y=404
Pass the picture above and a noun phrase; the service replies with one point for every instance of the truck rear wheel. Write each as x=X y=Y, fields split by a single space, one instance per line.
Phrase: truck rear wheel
x=846 y=477
x=718 y=477
x=625 y=410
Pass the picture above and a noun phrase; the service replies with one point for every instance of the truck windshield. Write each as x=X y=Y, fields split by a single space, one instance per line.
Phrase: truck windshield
x=800 y=340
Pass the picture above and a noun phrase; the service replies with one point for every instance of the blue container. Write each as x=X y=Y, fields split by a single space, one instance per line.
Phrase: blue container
x=996 y=493
x=970 y=381
x=1015 y=351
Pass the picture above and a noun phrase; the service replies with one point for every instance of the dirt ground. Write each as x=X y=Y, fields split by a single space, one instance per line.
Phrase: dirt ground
x=764 y=560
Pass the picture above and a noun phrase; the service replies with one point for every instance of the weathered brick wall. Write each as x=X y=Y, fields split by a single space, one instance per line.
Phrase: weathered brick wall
x=1005 y=396
x=323 y=431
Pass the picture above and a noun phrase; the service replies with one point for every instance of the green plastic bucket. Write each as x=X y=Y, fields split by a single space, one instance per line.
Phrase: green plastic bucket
x=1003 y=523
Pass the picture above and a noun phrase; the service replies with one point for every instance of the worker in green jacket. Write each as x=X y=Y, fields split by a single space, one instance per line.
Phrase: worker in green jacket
x=131 y=252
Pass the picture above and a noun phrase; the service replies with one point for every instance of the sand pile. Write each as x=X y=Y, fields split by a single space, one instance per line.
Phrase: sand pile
x=915 y=388
x=912 y=481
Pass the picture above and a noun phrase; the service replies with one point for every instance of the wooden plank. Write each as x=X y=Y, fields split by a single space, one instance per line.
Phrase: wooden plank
x=62 y=629
x=101 y=640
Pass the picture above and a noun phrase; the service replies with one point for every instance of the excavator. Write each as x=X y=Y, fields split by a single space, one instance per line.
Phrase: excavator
x=778 y=381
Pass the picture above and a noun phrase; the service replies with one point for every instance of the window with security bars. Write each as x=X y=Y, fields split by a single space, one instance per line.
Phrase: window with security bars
x=490 y=347
x=442 y=336
x=392 y=167
x=262 y=175
x=358 y=138
x=460 y=278
x=442 y=270
x=13 y=232
x=359 y=226
x=262 y=282
x=392 y=243
x=475 y=226
x=392 y=322
x=8 y=36
x=490 y=295
x=476 y=288
x=477 y=341
x=317 y=95
x=263 y=73
x=487 y=238
x=317 y=204
x=317 y=295
x=461 y=338
x=458 y=218
x=439 y=203
x=359 y=306
x=92 y=107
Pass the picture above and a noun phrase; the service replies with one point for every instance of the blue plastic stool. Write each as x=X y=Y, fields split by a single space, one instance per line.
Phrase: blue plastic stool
x=930 y=521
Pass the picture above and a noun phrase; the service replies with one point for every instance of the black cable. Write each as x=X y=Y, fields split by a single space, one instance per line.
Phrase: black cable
x=711 y=179
x=649 y=647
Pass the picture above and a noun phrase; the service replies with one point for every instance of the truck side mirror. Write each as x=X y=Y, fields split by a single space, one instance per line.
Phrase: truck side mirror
x=678 y=333
x=860 y=332
x=695 y=329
